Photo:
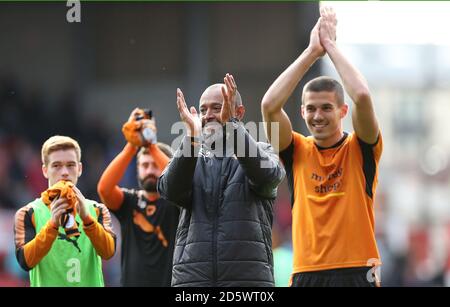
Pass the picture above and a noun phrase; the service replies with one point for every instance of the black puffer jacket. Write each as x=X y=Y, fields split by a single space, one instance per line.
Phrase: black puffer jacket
x=224 y=234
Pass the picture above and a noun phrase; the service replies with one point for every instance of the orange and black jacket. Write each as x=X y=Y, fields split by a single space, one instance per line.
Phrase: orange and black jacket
x=148 y=223
x=31 y=247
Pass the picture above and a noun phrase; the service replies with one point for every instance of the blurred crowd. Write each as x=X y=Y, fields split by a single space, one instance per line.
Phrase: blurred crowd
x=27 y=119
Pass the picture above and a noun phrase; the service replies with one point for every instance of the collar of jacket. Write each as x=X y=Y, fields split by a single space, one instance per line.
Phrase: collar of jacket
x=220 y=148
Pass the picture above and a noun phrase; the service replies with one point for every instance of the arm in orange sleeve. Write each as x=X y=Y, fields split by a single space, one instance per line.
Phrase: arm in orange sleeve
x=107 y=187
x=31 y=247
x=100 y=232
x=160 y=157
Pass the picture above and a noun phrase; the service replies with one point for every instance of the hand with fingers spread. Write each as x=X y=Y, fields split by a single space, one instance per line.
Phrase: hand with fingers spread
x=189 y=117
x=327 y=27
x=229 y=99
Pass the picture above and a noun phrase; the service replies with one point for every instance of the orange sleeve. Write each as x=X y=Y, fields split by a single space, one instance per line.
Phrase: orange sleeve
x=39 y=247
x=100 y=232
x=160 y=157
x=107 y=188
x=31 y=247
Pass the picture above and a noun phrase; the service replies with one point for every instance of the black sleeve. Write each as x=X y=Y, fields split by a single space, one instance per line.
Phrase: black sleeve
x=175 y=183
x=130 y=199
x=287 y=156
x=24 y=232
x=369 y=164
x=260 y=163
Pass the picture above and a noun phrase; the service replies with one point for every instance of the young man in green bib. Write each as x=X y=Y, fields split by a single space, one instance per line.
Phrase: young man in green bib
x=52 y=256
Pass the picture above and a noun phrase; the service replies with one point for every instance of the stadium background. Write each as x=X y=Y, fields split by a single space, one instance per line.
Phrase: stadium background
x=83 y=79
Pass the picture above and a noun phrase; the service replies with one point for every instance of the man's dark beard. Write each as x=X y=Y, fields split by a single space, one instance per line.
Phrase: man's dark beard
x=147 y=184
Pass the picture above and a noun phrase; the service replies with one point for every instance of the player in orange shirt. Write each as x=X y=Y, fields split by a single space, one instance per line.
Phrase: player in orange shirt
x=332 y=174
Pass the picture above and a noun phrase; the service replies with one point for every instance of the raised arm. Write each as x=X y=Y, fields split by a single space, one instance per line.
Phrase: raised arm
x=107 y=187
x=363 y=115
x=283 y=87
x=161 y=159
x=261 y=165
x=175 y=183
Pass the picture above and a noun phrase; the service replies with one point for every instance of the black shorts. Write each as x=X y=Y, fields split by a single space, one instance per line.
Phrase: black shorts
x=348 y=277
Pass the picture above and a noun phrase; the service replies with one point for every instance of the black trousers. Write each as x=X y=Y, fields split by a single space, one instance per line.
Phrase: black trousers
x=348 y=277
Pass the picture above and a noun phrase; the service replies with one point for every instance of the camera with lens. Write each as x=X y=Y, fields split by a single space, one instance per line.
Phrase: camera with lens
x=148 y=114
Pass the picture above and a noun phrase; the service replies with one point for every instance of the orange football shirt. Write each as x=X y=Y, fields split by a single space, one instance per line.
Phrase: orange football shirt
x=332 y=193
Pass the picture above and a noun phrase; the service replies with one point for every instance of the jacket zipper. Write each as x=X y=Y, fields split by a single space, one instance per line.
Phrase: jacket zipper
x=215 y=222
x=214 y=242
x=219 y=196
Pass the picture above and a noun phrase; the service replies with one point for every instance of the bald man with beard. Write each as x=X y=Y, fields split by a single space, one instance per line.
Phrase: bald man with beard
x=226 y=195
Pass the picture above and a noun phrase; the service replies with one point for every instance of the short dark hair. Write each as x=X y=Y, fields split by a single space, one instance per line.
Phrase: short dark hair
x=325 y=84
x=166 y=149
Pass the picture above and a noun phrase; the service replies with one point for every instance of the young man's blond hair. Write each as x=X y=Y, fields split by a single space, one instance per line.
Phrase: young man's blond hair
x=59 y=142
